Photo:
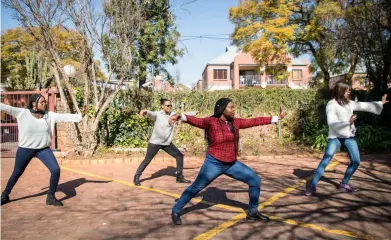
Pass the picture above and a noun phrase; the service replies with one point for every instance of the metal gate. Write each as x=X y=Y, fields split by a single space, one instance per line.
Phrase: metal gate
x=9 y=126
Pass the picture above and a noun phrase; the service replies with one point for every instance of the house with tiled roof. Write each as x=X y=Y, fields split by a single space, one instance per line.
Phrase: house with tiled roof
x=359 y=80
x=235 y=69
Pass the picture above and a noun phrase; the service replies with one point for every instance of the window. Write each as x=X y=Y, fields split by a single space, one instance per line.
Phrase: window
x=297 y=74
x=220 y=74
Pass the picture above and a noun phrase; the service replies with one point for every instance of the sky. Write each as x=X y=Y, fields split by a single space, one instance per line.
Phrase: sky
x=198 y=18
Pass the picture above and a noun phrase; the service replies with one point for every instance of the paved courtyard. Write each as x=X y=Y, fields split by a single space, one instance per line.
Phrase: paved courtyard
x=100 y=202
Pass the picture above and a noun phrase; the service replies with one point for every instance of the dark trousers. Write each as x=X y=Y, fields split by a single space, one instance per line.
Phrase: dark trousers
x=153 y=149
x=23 y=158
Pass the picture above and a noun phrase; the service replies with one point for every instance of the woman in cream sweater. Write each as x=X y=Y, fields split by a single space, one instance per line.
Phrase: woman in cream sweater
x=36 y=126
x=340 y=119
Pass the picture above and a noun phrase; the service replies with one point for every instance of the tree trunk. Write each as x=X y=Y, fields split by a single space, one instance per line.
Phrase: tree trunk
x=72 y=131
x=386 y=66
x=352 y=69
x=143 y=75
x=321 y=63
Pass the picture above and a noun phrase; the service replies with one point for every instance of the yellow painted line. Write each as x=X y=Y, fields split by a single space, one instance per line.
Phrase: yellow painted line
x=221 y=227
x=174 y=195
x=294 y=187
x=213 y=232
x=239 y=217
x=323 y=229
x=242 y=215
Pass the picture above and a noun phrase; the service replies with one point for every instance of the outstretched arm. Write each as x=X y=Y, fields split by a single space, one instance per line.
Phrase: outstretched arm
x=372 y=107
x=150 y=114
x=66 y=117
x=253 y=122
x=202 y=123
x=13 y=111
x=257 y=121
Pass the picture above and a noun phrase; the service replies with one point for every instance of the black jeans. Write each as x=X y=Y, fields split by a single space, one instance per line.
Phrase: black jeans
x=152 y=151
x=23 y=158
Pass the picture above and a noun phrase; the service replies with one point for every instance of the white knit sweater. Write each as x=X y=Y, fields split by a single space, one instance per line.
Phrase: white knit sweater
x=338 y=116
x=37 y=133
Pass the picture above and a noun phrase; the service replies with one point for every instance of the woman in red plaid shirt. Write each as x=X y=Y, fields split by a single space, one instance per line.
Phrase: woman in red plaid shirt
x=222 y=131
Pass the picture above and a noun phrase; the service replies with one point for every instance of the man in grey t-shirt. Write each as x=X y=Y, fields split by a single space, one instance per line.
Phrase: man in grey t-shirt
x=161 y=138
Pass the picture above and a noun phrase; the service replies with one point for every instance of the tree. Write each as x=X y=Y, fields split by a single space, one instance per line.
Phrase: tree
x=157 y=43
x=262 y=29
x=370 y=27
x=13 y=56
x=25 y=65
x=270 y=29
x=177 y=76
x=112 y=32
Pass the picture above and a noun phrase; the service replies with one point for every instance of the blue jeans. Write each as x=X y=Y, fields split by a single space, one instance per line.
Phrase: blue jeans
x=331 y=148
x=23 y=158
x=213 y=168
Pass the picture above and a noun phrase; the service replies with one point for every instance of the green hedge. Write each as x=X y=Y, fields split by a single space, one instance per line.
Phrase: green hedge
x=306 y=122
x=248 y=102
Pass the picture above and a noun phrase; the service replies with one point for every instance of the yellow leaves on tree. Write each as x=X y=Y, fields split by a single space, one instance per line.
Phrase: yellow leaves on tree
x=263 y=29
x=271 y=29
x=18 y=43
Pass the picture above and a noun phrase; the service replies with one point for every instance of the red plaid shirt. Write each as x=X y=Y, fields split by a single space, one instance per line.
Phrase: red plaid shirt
x=221 y=138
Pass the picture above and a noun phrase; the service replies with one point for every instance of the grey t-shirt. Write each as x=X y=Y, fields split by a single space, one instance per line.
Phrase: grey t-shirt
x=162 y=133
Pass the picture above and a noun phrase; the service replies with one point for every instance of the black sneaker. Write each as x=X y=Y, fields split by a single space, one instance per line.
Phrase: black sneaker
x=176 y=218
x=52 y=200
x=136 y=180
x=4 y=199
x=257 y=216
x=182 y=179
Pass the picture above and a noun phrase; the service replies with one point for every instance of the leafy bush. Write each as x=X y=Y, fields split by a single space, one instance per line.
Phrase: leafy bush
x=320 y=139
x=306 y=122
x=373 y=138
x=125 y=129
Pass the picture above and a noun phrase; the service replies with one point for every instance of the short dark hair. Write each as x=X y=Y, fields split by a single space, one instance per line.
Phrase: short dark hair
x=163 y=100
x=339 y=92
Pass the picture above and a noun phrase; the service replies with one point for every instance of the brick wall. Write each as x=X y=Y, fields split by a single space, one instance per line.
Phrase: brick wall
x=63 y=141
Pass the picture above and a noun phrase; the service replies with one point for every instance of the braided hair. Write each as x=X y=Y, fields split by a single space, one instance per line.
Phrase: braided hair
x=33 y=102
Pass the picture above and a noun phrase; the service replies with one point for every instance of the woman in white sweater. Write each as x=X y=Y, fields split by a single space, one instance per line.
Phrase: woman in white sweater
x=340 y=119
x=36 y=126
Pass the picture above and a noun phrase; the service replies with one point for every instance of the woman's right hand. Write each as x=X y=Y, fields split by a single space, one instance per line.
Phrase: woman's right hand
x=352 y=119
x=143 y=112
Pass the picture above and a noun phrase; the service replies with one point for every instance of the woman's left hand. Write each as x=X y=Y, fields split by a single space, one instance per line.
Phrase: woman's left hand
x=174 y=118
x=384 y=99
x=84 y=111
x=282 y=114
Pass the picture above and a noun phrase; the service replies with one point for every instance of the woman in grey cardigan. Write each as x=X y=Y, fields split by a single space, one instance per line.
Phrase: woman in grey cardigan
x=161 y=138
